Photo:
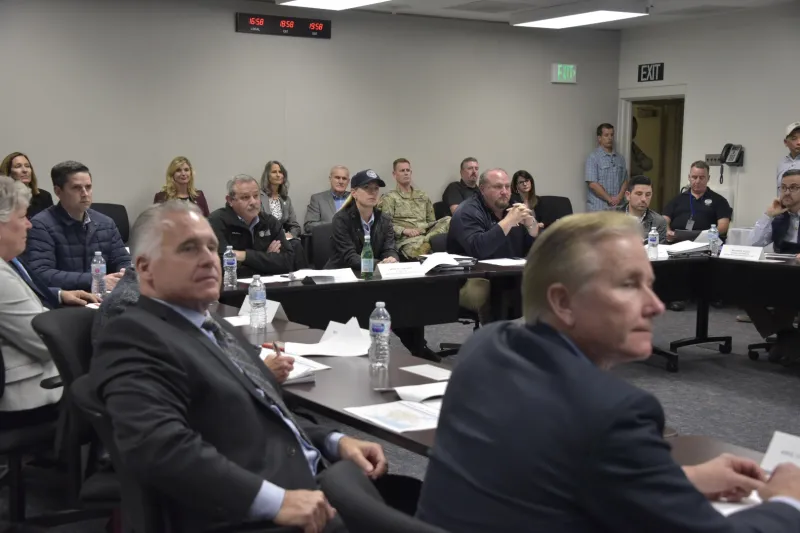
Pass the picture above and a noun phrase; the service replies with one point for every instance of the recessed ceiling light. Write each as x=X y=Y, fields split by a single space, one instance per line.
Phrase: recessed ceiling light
x=580 y=19
x=334 y=5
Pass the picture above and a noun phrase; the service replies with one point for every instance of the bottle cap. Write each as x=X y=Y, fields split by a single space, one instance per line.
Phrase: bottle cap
x=380 y=304
x=98 y=253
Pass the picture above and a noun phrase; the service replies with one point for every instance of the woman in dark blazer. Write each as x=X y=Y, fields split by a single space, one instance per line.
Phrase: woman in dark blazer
x=349 y=225
x=17 y=165
x=180 y=185
x=523 y=191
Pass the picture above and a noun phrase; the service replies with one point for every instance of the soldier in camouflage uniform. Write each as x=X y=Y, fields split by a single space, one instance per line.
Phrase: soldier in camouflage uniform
x=412 y=214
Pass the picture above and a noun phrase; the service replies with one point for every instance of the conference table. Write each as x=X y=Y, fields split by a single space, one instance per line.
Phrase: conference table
x=348 y=384
x=702 y=279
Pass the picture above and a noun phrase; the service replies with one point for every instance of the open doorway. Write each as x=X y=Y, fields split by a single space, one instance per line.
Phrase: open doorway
x=657 y=133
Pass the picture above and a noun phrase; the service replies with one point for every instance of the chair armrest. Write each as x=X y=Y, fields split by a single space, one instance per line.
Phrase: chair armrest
x=51 y=383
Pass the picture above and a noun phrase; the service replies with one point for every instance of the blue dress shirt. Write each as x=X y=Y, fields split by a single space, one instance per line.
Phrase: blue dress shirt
x=339 y=201
x=269 y=499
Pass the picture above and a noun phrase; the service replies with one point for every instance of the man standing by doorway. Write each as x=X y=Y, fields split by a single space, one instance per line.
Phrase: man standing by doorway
x=606 y=173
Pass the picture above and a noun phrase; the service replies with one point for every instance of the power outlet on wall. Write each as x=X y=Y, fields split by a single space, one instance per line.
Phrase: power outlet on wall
x=713 y=160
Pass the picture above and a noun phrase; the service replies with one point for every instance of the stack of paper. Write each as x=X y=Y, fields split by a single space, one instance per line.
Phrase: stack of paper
x=339 y=275
x=421 y=393
x=304 y=370
x=429 y=371
x=339 y=340
x=283 y=278
x=687 y=248
x=504 y=262
x=444 y=261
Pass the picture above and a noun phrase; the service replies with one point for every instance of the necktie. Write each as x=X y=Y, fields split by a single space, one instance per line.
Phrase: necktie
x=231 y=348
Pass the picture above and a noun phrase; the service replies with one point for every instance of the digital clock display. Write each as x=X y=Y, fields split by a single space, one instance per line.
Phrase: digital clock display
x=288 y=26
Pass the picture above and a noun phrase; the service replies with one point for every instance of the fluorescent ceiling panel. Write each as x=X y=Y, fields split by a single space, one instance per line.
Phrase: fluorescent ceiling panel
x=580 y=19
x=334 y=5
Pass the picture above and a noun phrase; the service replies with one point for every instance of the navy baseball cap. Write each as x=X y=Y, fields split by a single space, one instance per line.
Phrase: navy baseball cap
x=364 y=177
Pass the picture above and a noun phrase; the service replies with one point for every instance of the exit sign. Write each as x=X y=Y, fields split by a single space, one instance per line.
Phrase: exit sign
x=562 y=73
x=651 y=72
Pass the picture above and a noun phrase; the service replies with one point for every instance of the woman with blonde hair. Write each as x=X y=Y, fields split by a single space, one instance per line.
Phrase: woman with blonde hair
x=17 y=165
x=180 y=185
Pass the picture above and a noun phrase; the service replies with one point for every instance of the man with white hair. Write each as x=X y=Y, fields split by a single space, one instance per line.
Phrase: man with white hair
x=323 y=205
x=535 y=434
x=196 y=416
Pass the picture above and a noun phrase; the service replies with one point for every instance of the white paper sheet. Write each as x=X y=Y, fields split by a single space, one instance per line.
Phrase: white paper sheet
x=399 y=416
x=339 y=340
x=454 y=256
x=274 y=310
x=438 y=259
x=504 y=262
x=401 y=270
x=687 y=246
x=238 y=321
x=283 y=278
x=420 y=393
x=340 y=275
x=727 y=508
x=93 y=306
x=429 y=371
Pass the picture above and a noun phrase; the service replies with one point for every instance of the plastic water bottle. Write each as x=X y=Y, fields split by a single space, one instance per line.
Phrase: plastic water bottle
x=367 y=259
x=258 y=303
x=380 y=326
x=652 y=244
x=713 y=240
x=98 y=271
x=229 y=270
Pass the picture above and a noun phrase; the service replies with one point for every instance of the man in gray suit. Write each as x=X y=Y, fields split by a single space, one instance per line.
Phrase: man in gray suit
x=324 y=205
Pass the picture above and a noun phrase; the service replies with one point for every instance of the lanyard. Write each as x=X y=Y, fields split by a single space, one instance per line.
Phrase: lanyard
x=691 y=203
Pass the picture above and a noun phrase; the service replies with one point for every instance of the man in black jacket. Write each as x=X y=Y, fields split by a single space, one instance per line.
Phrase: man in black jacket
x=196 y=416
x=257 y=237
x=536 y=435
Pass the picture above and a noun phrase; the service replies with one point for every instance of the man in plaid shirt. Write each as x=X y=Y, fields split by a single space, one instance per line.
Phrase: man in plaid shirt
x=606 y=173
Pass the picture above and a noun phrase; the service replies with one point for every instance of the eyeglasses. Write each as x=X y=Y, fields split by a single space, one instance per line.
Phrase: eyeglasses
x=792 y=189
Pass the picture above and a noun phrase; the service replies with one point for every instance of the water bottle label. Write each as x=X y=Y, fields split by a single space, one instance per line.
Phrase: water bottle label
x=653 y=239
x=99 y=270
x=230 y=262
x=366 y=265
x=377 y=327
x=258 y=296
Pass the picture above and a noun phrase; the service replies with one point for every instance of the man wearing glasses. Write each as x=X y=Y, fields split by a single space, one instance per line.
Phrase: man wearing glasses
x=778 y=225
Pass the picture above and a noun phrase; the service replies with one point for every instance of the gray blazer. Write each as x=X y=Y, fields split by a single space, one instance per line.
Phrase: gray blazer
x=288 y=219
x=320 y=210
x=27 y=361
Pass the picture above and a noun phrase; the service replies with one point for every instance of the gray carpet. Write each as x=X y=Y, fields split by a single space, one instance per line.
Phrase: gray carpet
x=724 y=396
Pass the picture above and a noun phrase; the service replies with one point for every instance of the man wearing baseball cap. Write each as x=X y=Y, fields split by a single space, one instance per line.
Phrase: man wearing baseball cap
x=792 y=142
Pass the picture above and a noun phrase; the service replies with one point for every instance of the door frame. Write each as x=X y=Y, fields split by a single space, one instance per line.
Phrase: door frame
x=625 y=111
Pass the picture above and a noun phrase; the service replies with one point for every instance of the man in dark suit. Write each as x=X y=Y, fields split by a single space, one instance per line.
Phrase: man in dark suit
x=535 y=435
x=196 y=415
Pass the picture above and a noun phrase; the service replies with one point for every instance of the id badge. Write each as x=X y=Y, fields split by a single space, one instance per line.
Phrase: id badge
x=689 y=224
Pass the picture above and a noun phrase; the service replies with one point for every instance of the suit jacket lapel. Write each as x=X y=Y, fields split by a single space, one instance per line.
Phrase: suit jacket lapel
x=331 y=203
x=175 y=319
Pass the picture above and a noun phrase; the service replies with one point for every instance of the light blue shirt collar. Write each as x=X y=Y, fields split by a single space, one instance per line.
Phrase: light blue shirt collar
x=195 y=317
x=367 y=225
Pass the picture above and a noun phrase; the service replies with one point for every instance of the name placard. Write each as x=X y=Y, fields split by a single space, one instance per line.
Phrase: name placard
x=401 y=270
x=783 y=448
x=743 y=253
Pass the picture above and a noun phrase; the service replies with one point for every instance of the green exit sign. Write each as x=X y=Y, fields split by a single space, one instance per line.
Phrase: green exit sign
x=563 y=73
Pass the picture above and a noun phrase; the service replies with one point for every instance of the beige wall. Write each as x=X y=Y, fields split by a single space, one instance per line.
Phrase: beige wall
x=741 y=77
x=125 y=85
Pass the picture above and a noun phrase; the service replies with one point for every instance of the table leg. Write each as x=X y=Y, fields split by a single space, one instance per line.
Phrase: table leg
x=701 y=332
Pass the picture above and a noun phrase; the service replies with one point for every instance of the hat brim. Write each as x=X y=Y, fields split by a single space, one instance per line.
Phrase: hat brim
x=792 y=132
x=379 y=181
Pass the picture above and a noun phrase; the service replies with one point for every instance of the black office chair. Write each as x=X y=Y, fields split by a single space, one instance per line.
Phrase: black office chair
x=67 y=333
x=321 y=236
x=465 y=316
x=752 y=349
x=119 y=214
x=361 y=507
x=441 y=210
x=551 y=208
x=142 y=509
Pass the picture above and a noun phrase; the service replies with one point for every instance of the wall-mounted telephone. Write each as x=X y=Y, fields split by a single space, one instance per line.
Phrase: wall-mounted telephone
x=732 y=155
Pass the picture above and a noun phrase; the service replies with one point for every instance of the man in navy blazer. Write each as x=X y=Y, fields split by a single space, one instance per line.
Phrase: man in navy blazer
x=535 y=435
